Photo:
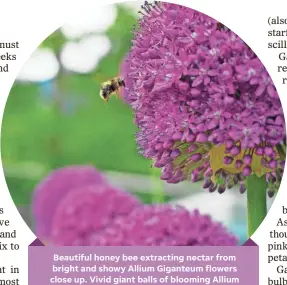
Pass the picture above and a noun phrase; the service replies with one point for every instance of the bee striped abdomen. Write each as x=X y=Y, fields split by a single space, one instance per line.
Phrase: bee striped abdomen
x=111 y=87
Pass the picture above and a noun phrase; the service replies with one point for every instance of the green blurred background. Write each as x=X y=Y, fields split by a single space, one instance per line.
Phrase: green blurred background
x=63 y=121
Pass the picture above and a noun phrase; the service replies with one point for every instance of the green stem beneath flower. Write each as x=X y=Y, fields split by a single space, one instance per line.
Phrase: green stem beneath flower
x=158 y=191
x=256 y=202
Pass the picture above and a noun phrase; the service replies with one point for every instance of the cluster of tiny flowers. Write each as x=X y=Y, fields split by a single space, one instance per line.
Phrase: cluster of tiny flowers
x=163 y=225
x=205 y=106
x=88 y=209
x=51 y=190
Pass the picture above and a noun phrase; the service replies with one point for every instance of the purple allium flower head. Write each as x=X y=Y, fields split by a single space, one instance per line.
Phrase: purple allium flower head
x=86 y=210
x=202 y=99
x=163 y=225
x=54 y=187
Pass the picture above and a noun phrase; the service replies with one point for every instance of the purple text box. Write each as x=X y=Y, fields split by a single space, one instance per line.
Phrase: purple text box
x=146 y=265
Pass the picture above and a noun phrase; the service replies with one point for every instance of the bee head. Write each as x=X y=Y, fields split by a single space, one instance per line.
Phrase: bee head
x=121 y=82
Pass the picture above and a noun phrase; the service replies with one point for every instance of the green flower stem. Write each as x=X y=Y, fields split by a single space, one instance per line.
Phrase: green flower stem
x=256 y=202
x=158 y=191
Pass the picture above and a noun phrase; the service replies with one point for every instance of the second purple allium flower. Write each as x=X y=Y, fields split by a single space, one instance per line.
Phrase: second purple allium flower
x=53 y=188
x=205 y=106
x=87 y=210
x=163 y=225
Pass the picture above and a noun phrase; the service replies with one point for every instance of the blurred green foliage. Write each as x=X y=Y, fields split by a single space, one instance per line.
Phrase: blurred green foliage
x=73 y=125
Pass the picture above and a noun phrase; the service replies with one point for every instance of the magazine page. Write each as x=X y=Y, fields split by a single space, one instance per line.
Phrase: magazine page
x=143 y=142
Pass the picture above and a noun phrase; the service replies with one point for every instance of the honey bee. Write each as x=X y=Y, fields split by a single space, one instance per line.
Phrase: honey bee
x=111 y=87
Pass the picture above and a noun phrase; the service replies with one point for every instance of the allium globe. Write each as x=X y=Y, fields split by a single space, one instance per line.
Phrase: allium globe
x=86 y=210
x=205 y=106
x=49 y=192
x=163 y=225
